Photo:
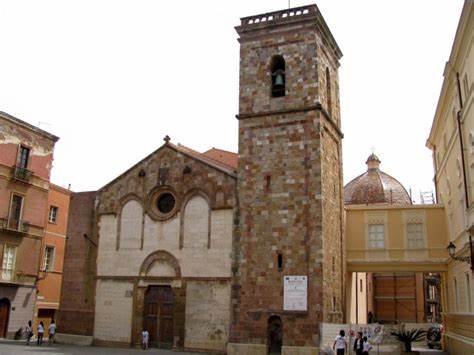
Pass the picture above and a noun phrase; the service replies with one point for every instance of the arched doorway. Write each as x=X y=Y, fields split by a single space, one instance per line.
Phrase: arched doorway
x=158 y=317
x=274 y=335
x=4 y=316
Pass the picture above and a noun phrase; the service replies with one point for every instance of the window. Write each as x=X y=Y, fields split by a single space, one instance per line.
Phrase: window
x=415 y=236
x=15 y=212
x=165 y=202
x=280 y=262
x=468 y=293
x=334 y=303
x=360 y=286
x=456 y=296
x=376 y=236
x=277 y=70
x=53 y=214
x=8 y=264
x=466 y=86
x=268 y=182
x=23 y=156
x=432 y=292
x=48 y=259
x=328 y=90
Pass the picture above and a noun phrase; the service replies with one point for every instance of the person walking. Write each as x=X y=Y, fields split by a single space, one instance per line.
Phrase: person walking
x=39 y=340
x=29 y=332
x=145 y=338
x=359 y=344
x=366 y=346
x=340 y=344
x=52 y=332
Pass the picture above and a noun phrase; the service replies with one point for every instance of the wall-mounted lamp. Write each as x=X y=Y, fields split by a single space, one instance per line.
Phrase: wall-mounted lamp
x=467 y=259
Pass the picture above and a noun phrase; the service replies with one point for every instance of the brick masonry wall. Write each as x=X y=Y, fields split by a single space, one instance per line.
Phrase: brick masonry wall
x=76 y=312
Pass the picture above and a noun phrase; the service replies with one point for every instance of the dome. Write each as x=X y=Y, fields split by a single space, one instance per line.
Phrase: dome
x=375 y=187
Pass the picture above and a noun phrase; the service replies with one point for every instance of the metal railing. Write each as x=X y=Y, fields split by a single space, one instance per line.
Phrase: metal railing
x=20 y=226
x=22 y=174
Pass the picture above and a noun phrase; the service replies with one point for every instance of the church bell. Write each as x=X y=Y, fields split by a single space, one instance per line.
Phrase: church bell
x=279 y=78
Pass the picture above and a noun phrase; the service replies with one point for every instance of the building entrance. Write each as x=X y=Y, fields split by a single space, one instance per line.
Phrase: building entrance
x=158 y=318
x=4 y=315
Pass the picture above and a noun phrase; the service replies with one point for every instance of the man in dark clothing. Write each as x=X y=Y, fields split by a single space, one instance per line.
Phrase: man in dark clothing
x=359 y=344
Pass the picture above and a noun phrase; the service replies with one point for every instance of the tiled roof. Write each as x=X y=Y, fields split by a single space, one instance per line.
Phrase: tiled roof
x=204 y=158
x=223 y=156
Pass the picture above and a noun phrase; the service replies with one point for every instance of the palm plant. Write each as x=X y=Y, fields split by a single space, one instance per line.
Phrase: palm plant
x=409 y=336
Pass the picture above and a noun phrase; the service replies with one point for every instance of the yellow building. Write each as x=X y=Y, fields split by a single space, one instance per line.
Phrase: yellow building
x=396 y=251
x=452 y=141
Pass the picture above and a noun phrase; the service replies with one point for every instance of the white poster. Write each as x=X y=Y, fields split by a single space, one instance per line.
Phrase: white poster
x=295 y=293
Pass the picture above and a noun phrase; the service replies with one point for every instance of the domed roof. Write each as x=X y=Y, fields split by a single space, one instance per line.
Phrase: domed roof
x=375 y=187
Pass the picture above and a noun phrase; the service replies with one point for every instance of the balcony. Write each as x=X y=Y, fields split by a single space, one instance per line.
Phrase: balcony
x=8 y=275
x=21 y=174
x=15 y=226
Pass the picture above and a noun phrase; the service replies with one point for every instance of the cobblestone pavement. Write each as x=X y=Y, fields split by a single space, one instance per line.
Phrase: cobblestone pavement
x=56 y=349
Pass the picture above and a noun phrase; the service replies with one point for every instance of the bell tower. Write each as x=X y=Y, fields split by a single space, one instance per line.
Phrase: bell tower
x=288 y=262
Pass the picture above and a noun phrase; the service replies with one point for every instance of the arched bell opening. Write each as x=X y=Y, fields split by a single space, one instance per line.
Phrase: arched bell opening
x=277 y=70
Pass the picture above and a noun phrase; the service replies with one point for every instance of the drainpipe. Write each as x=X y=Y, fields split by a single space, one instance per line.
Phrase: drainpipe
x=357 y=297
x=458 y=116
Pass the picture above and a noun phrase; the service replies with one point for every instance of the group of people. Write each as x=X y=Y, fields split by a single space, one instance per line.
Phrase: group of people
x=361 y=344
x=40 y=333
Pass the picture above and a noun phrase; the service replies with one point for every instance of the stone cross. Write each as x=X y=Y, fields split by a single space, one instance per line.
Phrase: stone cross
x=167 y=139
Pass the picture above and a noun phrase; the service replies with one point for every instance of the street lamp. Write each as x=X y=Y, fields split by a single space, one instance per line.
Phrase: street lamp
x=467 y=259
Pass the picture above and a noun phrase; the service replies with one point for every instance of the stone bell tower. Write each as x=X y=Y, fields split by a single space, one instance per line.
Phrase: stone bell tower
x=289 y=262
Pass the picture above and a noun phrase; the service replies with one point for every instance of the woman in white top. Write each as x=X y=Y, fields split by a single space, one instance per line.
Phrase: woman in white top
x=367 y=347
x=39 y=341
x=340 y=344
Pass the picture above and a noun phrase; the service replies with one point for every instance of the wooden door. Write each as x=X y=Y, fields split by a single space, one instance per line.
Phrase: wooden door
x=158 y=320
x=4 y=315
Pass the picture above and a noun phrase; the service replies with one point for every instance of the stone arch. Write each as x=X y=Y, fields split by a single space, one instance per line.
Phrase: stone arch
x=160 y=256
x=130 y=222
x=191 y=195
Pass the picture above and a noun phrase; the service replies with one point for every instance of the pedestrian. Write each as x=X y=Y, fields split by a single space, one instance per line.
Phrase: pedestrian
x=370 y=317
x=52 y=331
x=145 y=338
x=29 y=332
x=340 y=344
x=359 y=344
x=367 y=347
x=39 y=340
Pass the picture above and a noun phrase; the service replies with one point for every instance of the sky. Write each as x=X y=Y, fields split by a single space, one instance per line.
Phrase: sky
x=111 y=78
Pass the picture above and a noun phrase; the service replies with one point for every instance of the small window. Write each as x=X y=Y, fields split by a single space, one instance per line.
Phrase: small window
x=328 y=90
x=277 y=70
x=16 y=207
x=334 y=304
x=48 y=259
x=376 y=236
x=466 y=86
x=280 y=262
x=361 y=286
x=268 y=183
x=333 y=264
x=415 y=236
x=53 y=214
x=8 y=264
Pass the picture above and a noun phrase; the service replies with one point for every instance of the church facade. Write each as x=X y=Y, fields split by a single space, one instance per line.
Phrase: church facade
x=210 y=254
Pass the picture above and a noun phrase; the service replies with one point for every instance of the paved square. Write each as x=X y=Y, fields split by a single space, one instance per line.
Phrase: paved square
x=14 y=349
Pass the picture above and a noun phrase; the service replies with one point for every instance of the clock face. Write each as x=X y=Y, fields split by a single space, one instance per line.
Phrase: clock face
x=165 y=203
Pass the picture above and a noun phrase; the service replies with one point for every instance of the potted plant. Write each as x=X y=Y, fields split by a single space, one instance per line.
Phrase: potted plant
x=409 y=336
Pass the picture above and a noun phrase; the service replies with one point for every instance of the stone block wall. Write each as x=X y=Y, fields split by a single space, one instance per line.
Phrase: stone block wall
x=113 y=311
x=22 y=302
x=207 y=315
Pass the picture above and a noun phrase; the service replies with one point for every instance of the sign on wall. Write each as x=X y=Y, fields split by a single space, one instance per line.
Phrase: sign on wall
x=295 y=293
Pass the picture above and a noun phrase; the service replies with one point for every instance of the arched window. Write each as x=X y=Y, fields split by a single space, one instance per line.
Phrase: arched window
x=277 y=70
x=328 y=90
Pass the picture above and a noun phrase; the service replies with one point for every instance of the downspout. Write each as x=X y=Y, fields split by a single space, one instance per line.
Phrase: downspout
x=357 y=297
x=458 y=116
